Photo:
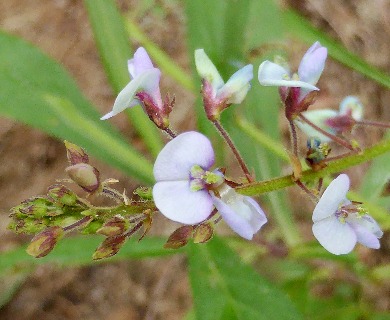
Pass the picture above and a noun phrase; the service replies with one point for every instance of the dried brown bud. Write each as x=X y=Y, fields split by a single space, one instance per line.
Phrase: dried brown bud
x=86 y=176
x=179 y=238
x=62 y=194
x=203 y=233
x=109 y=247
x=75 y=154
x=113 y=227
x=44 y=242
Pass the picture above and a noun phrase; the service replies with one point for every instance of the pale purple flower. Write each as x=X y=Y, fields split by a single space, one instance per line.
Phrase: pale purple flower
x=234 y=90
x=144 y=78
x=350 y=110
x=340 y=223
x=309 y=71
x=187 y=191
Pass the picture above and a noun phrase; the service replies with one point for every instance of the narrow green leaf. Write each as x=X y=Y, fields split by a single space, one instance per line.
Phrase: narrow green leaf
x=225 y=288
x=78 y=251
x=300 y=27
x=114 y=48
x=36 y=90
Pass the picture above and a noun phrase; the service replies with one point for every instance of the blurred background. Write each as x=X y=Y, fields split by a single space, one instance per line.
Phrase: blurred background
x=158 y=288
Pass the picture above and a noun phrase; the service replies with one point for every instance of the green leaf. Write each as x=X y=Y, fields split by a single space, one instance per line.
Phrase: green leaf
x=300 y=27
x=114 y=48
x=78 y=251
x=37 y=91
x=225 y=288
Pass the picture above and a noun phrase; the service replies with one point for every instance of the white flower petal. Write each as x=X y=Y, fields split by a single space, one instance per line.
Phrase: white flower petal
x=148 y=81
x=334 y=236
x=242 y=214
x=352 y=106
x=140 y=63
x=318 y=117
x=177 y=202
x=332 y=198
x=179 y=155
x=272 y=74
x=312 y=64
x=207 y=70
x=237 y=86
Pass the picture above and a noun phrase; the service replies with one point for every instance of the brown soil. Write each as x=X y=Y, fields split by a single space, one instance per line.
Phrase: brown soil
x=31 y=161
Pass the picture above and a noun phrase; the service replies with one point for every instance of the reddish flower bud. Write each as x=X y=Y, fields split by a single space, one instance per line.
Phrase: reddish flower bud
x=109 y=247
x=44 y=242
x=113 y=227
x=86 y=176
x=75 y=154
x=179 y=238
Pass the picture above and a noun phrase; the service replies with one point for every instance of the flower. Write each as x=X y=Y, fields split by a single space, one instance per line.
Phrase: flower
x=187 y=191
x=350 y=112
x=144 y=78
x=217 y=94
x=309 y=71
x=340 y=223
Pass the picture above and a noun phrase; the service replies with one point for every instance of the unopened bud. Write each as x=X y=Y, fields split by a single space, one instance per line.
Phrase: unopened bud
x=36 y=207
x=316 y=153
x=86 y=176
x=113 y=227
x=203 y=233
x=44 y=242
x=62 y=194
x=109 y=247
x=179 y=238
x=75 y=154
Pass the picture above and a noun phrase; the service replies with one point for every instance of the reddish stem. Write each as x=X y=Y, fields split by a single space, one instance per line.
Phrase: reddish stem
x=336 y=139
x=373 y=123
x=235 y=151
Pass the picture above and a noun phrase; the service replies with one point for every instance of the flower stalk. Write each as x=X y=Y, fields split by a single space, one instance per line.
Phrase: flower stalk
x=257 y=188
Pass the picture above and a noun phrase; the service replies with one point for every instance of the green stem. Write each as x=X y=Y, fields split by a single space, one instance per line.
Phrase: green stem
x=285 y=221
x=256 y=188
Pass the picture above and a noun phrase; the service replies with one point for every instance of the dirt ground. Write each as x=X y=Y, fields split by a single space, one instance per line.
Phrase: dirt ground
x=31 y=161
